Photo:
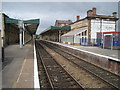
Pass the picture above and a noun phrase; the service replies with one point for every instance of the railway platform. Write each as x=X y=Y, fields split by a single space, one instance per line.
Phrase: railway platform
x=18 y=67
x=101 y=51
x=105 y=58
x=96 y=50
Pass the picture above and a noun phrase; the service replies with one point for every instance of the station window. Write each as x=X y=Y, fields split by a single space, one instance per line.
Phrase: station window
x=79 y=34
x=82 y=33
x=85 y=39
x=82 y=39
x=85 y=32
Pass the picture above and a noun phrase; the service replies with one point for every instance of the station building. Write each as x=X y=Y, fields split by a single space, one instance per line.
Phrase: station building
x=61 y=23
x=54 y=33
x=85 y=31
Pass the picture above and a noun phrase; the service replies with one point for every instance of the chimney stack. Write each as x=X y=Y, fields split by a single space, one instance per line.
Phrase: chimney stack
x=94 y=11
x=89 y=13
x=114 y=14
x=78 y=18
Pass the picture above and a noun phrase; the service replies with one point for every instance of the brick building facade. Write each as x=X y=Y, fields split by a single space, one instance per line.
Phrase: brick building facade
x=86 y=29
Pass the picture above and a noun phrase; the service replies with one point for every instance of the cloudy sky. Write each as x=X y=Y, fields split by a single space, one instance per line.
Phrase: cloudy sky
x=49 y=12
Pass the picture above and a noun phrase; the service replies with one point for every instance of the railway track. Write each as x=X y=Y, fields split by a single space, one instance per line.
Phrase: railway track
x=106 y=76
x=52 y=75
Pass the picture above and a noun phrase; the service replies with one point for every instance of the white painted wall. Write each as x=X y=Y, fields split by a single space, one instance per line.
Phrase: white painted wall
x=107 y=26
x=77 y=39
x=95 y=27
x=118 y=23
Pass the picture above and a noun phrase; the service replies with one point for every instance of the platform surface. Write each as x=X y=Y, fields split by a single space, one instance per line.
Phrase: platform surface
x=18 y=67
x=96 y=50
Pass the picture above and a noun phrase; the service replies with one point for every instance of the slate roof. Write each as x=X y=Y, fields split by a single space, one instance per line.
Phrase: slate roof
x=63 y=22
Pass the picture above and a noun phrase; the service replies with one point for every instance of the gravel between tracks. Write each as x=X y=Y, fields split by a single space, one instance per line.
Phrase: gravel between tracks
x=86 y=79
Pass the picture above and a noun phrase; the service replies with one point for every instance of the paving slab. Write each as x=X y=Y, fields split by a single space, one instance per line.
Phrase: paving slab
x=97 y=50
x=18 y=67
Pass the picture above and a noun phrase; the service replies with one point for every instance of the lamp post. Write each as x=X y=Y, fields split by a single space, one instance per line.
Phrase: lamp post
x=20 y=24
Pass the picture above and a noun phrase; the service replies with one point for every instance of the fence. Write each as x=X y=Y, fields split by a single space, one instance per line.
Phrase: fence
x=107 y=42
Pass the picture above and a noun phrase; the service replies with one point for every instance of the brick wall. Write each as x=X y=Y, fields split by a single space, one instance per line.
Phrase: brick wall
x=11 y=34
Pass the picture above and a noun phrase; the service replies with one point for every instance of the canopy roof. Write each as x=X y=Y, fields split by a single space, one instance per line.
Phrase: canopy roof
x=15 y=21
x=30 y=25
x=32 y=28
x=54 y=28
x=74 y=32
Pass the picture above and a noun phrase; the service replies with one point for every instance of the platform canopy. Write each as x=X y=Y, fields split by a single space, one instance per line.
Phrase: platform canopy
x=32 y=28
x=15 y=21
x=30 y=25
x=52 y=29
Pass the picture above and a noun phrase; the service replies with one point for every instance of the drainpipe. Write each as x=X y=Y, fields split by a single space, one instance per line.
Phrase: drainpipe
x=101 y=42
x=102 y=35
x=112 y=43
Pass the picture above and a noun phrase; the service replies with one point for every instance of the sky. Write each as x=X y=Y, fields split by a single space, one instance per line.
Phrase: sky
x=49 y=12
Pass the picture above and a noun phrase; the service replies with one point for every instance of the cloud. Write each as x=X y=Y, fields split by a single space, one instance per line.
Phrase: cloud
x=48 y=12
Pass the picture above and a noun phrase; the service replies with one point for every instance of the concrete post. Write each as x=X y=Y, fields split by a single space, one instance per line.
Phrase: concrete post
x=20 y=23
x=23 y=34
x=59 y=35
x=23 y=37
x=112 y=42
x=20 y=37
x=103 y=39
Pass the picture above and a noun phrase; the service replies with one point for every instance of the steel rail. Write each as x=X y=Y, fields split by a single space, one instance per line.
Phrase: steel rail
x=50 y=81
x=84 y=67
x=46 y=70
x=69 y=74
